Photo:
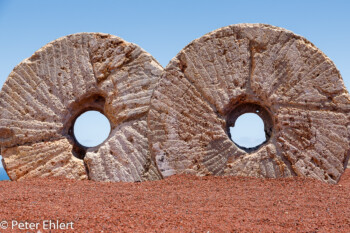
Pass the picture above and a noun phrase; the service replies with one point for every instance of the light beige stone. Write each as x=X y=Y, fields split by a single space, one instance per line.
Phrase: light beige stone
x=52 y=158
x=45 y=93
x=282 y=77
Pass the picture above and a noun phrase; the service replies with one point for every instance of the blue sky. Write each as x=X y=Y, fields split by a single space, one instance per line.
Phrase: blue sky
x=163 y=28
x=91 y=133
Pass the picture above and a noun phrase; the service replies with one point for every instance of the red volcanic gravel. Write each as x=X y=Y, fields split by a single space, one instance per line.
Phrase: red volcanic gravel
x=179 y=204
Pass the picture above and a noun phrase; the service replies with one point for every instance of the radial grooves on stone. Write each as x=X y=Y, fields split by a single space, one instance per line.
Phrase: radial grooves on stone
x=206 y=67
x=186 y=112
x=39 y=90
x=276 y=78
x=298 y=73
x=133 y=87
x=131 y=159
x=43 y=73
x=40 y=159
x=321 y=141
x=216 y=156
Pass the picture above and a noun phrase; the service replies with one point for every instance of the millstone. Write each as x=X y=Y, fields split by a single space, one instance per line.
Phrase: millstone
x=45 y=94
x=282 y=77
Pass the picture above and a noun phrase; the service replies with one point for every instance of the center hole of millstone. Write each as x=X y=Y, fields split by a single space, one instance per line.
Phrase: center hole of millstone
x=86 y=126
x=249 y=126
x=91 y=128
x=248 y=131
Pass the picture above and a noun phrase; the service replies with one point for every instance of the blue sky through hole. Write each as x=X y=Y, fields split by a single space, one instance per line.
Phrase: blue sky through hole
x=91 y=128
x=248 y=130
x=156 y=26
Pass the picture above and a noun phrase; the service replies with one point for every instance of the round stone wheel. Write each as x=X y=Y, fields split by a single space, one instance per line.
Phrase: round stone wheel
x=44 y=95
x=282 y=77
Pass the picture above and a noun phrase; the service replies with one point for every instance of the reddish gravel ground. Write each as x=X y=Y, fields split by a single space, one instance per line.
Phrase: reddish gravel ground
x=179 y=204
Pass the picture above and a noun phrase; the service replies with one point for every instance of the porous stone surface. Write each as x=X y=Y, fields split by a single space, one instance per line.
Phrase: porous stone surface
x=285 y=79
x=45 y=93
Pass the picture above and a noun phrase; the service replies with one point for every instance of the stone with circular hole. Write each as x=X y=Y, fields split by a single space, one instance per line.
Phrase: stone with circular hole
x=44 y=95
x=282 y=77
